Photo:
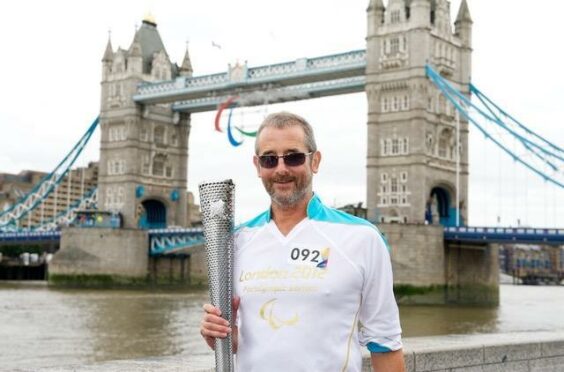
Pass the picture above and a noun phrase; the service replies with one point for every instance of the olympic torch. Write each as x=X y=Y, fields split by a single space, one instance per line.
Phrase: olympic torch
x=217 y=205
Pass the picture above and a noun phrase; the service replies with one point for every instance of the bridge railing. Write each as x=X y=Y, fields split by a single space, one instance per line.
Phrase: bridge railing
x=303 y=70
x=506 y=234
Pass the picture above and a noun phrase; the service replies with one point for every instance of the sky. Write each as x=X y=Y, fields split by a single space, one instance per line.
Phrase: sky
x=51 y=72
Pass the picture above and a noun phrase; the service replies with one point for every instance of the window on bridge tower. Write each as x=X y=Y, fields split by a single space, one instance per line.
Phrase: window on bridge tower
x=385 y=105
x=146 y=165
x=394 y=45
x=394 y=184
x=444 y=143
x=158 y=165
x=159 y=135
x=395 y=146
x=405 y=103
x=396 y=16
x=405 y=146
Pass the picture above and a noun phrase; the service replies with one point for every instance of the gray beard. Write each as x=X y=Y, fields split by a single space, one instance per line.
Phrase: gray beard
x=289 y=201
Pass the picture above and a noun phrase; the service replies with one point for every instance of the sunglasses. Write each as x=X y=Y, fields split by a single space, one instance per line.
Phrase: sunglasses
x=293 y=159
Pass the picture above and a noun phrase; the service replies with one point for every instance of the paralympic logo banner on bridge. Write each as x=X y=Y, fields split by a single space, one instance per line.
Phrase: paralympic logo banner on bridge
x=231 y=103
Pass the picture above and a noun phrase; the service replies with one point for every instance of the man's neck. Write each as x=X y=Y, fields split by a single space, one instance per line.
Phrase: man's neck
x=286 y=218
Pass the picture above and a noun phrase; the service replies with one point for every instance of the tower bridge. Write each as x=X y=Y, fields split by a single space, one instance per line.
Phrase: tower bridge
x=417 y=154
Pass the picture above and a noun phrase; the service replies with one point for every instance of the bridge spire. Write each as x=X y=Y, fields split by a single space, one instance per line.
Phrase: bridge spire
x=375 y=14
x=463 y=13
x=107 y=59
x=376 y=5
x=463 y=25
x=109 y=53
x=186 y=68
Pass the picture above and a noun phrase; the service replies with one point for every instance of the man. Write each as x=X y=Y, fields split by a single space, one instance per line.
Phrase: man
x=313 y=283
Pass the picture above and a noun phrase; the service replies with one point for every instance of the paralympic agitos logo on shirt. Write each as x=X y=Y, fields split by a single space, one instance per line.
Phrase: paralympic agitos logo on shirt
x=267 y=313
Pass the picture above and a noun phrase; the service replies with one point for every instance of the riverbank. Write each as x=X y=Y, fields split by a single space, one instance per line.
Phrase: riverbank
x=527 y=351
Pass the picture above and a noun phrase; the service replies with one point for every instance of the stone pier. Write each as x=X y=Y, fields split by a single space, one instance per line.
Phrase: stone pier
x=106 y=257
x=429 y=271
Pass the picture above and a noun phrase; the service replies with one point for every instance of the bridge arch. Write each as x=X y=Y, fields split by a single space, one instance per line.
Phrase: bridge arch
x=152 y=214
x=440 y=206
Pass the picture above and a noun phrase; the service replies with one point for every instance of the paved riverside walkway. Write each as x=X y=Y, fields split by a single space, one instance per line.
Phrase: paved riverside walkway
x=515 y=352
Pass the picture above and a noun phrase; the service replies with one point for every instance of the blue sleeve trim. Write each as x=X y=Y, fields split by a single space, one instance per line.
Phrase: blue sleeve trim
x=374 y=347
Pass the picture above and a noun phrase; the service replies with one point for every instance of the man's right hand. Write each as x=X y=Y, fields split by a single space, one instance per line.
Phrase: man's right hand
x=214 y=326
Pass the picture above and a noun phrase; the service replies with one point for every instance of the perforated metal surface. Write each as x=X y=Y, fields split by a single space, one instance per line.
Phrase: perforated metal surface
x=217 y=205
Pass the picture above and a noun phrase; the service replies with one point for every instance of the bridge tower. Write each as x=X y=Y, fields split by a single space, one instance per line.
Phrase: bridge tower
x=412 y=129
x=144 y=149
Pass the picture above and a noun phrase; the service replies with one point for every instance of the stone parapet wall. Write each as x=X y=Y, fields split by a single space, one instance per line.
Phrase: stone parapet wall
x=489 y=352
x=511 y=352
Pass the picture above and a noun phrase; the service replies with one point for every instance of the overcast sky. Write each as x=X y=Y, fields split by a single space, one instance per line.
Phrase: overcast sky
x=51 y=71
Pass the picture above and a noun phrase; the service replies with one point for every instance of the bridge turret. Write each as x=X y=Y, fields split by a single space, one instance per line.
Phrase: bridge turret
x=144 y=148
x=135 y=56
x=463 y=30
x=420 y=13
x=463 y=25
x=186 y=68
x=375 y=19
x=441 y=20
x=411 y=152
x=107 y=60
x=161 y=67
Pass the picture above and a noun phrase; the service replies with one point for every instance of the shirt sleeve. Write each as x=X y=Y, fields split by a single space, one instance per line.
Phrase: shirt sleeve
x=380 y=329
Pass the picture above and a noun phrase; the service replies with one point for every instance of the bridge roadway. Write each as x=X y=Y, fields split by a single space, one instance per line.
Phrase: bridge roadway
x=170 y=241
x=289 y=81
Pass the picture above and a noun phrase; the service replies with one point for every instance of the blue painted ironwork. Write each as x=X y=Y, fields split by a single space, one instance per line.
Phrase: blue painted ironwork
x=168 y=241
x=65 y=218
x=462 y=103
x=263 y=78
x=10 y=217
x=514 y=235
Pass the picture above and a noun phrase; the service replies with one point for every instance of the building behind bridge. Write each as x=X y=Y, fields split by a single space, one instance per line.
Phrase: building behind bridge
x=532 y=264
x=78 y=182
x=72 y=188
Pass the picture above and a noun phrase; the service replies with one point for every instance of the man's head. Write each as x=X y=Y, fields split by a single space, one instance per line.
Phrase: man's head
x=287 y=180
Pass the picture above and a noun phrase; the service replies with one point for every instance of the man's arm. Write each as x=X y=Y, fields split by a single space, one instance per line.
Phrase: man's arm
x=388 y=362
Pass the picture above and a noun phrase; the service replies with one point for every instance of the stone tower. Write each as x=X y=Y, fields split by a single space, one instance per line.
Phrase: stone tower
x=144 y=149
x=412 y=157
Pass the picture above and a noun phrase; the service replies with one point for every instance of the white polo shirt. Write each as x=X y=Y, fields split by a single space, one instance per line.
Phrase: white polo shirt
x=311 y=299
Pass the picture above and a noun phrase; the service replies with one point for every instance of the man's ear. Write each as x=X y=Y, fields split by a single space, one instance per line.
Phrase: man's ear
x=315 y=161
x=256 y=163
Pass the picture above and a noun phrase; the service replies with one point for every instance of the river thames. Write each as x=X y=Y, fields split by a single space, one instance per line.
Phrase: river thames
x=40 y=326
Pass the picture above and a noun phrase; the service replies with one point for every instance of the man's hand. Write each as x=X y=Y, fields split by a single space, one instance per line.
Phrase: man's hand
x=214 y=326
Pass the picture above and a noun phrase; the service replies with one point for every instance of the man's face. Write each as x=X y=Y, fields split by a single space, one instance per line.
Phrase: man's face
x=285 y=184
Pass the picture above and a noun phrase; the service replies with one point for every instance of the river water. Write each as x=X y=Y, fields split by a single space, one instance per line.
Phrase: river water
x=41 y=326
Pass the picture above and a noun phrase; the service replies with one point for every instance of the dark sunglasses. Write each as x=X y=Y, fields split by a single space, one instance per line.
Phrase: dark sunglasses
x=293 y=159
